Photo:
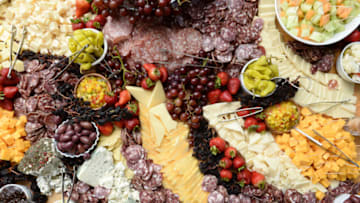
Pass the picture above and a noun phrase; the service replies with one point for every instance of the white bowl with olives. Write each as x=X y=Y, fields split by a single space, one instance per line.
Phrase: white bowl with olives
x=75 y=139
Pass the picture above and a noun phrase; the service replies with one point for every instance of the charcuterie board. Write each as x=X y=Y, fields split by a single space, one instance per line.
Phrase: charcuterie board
x=195 y=101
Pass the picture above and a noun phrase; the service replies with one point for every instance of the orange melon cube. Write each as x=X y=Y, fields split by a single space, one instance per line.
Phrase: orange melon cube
x=309 y=14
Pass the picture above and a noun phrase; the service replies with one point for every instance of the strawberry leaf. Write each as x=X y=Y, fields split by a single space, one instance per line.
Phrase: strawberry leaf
x=217 y=83
x=241 y=168
x=253 y=128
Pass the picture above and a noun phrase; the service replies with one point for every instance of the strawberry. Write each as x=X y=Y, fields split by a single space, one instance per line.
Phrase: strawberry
x=7 y=104
x=225 y=163
x=154 y=74
x=147 y=83
x=82 y=7
x=213 y=96
x=132 y=123
x=106 y=129
x=258 y=179
x=244 y=177
x=163 y=74
x=124 y=97
x=119 y=124
x=225 y=96
x=110 y=99
x=10 y=92
x=14 y=79
x=230 y=152
x=226 y=175
x=100 y=19
x=239 y=163
x=217 y=145
x=133 y=108
x=233 y=85
x=148 y=66
x=222 y=79
x=250 y=123
x=92 y=24
x=261 y=127
x=77 y=24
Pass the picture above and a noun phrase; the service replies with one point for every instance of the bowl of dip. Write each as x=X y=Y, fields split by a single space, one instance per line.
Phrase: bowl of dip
x=348 y=63
x=15 y=192
x=92 y=88
x=256 y=75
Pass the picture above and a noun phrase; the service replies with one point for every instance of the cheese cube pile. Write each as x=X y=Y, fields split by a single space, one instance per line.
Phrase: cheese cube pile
x=12 y=131
x=47 y=22
x=317 y=164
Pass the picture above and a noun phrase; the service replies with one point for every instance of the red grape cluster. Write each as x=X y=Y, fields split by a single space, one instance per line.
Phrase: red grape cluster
x=187 y=91
x=135 y=9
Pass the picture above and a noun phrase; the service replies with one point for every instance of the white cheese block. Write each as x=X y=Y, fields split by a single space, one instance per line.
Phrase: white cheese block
x=157 y=95
x=92 y=170
x=140 y=94
x=162 y=113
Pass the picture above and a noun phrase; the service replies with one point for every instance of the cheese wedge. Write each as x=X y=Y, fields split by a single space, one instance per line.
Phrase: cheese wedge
x=140 y=94
x=157 y=95
x=163 y=115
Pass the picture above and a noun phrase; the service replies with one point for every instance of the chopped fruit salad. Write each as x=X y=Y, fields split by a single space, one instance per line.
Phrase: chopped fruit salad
x=317 y=20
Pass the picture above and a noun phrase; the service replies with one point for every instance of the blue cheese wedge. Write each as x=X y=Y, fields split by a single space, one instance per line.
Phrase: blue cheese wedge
x=92 y=170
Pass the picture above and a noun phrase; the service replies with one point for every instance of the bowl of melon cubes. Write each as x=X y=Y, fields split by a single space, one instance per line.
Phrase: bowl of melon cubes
x=318 y=22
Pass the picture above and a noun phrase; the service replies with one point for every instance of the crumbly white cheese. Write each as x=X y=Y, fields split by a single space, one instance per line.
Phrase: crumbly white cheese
x=260 y=151
x=47 y=22
x=50 y=184
x=121 y=191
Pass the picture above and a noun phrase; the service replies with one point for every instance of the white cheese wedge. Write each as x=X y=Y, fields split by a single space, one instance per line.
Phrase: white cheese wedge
x=140 y=94
x=157 y=95
x=162 y=113
x=157 y=128
x=92 y=170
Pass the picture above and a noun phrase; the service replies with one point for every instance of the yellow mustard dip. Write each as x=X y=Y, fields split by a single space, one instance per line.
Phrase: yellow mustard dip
x=93 y=89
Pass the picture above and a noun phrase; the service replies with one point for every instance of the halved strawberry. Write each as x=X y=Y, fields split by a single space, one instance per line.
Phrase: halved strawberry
x=82 y=7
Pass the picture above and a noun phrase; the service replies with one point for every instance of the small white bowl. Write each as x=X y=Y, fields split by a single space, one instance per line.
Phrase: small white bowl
x=105 y=46
x=26 y=190
x=68 y=155
x=243 y=83
x=339 y=66
x=349 y=28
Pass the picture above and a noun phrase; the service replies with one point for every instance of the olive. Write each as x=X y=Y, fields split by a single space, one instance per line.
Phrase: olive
x=59 y=146
x=85 y=140
x=65 y=138
x=57 y=136
x=62 y=129
x=86 y=125
x=92 y=136
x=85 y=132
x=86 y=146
x=75 y=139
x=68 y=145
x=80 y=148
x=77 y=127
x=70 y=133
x=69 y=127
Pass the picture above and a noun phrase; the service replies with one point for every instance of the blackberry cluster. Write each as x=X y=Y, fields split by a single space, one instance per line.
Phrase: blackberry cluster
x=283 y=92
x=199 y=139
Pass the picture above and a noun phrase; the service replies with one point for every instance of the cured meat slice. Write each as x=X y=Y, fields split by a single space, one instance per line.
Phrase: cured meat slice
x=216 y=197
x=209 y=183
x=117 y=30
